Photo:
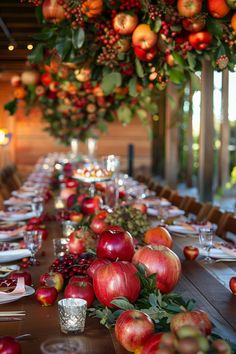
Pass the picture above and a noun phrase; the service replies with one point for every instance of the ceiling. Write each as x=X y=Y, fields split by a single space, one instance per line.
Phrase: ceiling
x=21 y=23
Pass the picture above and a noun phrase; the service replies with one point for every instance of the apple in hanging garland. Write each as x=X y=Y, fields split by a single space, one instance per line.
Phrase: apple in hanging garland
x=145 y=55
x=46 y=79
x=46 y=296
x=124 y=23
x=21 y=274
x=115 y=245
x=200 y=40
x=30 y=77
x=170 y=59
x=232 y=285
x=9 y=345
x=15 y=80
x=54 y=279
x=194 y=24
x=82 y=290
x=218 y=8
x=123 y=45
x=133 y=328
x=196 y=318
x=52 y=11
x=190 y=252
x=189 y=8
x=143 y=37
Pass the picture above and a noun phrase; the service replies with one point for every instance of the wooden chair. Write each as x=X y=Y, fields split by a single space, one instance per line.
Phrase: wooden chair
x=186 y=202
x=194 y=207
x=165 y=192
x=203 y=212
x=10 y=178
x=227 y=223
x=176 y=199
x=158 y=189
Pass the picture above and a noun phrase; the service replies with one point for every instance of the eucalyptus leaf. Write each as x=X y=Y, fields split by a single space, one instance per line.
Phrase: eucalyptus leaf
x=11 y=106
x=133 y=87
x=191 y=60
x=124 y=114
x=139 y=68
x=122 y=303
x=78 y=37
x=177 y=76
x=110 y=81
x=36 y=55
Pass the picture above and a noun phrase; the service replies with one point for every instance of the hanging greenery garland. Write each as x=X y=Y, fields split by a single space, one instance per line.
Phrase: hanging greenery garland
x=123 y=41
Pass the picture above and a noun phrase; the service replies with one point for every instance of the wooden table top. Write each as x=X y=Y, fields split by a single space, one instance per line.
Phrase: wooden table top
x=42 y=322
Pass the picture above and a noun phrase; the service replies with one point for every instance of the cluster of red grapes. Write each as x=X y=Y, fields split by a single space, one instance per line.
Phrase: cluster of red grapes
x=69 y=264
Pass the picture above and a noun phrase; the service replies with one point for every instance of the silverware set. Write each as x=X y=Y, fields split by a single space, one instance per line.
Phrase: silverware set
x=11 y=316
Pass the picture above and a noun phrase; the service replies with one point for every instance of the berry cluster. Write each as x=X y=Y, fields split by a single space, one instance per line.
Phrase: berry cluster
x=69 y=264
x=108 y=57
x=34 y=2
x=130 y=5
x=107 y=35
x=73 y=12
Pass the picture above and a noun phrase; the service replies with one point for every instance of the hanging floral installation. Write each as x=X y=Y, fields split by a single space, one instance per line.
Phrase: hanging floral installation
x=126 y=41
x=73 y=106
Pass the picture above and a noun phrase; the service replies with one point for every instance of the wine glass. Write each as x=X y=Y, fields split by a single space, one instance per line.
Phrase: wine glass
x=206 y=241
x=37 y=206
x=33 y=241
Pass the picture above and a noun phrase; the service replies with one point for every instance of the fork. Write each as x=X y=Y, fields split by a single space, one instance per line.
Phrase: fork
x=225 y=260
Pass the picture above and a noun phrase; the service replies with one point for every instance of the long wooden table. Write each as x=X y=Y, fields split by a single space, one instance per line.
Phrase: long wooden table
x=42 y=322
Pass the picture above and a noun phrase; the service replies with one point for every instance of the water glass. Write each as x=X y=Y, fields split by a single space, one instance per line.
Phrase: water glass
x=33 y=241
x=112 y=164
x=60 y=246
x=72 y=315
x=206 y=241
x=111 y=194
x=37 y=206
x=68 y=227
x=61 y=346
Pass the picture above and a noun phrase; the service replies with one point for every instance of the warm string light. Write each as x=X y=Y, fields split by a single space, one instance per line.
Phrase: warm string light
x=11 y=47
x=30 y=46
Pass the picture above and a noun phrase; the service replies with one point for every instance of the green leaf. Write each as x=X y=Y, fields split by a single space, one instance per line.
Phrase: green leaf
x=110 y=81
x=152 y=300
x=11 y=106
x=78 y=37
x=44 y=35
x=177 y=76
x=36 y=56
x=122 y=303
x=178 y=59
x=214 y=27
x=143 y=115
x=139 y=68
x=124 y=114
x=133 y=87
x=191 y=60
x=195 y=82
x=157 y=25
x=63 y=46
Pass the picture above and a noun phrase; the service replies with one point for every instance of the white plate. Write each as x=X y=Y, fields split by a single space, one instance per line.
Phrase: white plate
x=24 y=195
x=182 y=230
x=14 y=255
x=12 y=267
x=216 y=253
x=5 y=299
x=9 y=216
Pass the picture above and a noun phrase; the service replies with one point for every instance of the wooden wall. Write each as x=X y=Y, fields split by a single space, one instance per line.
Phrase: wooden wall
x=29 y=141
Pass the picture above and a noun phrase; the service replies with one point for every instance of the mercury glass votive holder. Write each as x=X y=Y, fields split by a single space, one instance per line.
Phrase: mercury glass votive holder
x=68 y=227
x=72 y=315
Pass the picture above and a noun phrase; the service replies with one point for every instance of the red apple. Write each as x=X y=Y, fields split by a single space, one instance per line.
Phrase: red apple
x=98 y=225
x=54 y=279
x=218 y=8
x=98 y=262
x=81 y=198
x=80 y=278
x=190 y=252
x=90 y=205
x=145 y=55
x=163 y=262
x=144 y=37
x=133 y=328
x=9 y=345
x=200 y=40
x=115 y=245
x=21 y=274
x=46 y=296
x=194 y=24
x=158 y=236
x=46 y=79
x=189 y=8
x=151 y=346
x=80 y=239
x=15 y=80
x=81 y=290
x=76 y=217
x=232 y=285
x=124 y=23
x=196 y=318
x=140 y=206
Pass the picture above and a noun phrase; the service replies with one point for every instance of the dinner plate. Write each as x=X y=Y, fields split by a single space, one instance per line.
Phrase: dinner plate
x=182 y=230
x=7 y=298
x=11 y=216
x=13 y=255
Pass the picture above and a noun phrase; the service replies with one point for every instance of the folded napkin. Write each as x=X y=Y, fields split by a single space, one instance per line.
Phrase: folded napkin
x=13 y=255
x=152 y=202
x=227 y=248
x=17 y=201
x=215 y=253
x=16 y=215
x=11 y=233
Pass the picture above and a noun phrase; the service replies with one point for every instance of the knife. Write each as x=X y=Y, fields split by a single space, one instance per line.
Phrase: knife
x=10 y=319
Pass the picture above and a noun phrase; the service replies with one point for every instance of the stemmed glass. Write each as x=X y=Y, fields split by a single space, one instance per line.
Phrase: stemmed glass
x=37 y=206
x=206 y=241
x=33 y=241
